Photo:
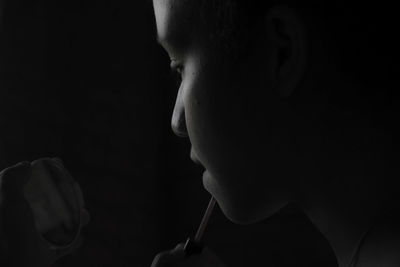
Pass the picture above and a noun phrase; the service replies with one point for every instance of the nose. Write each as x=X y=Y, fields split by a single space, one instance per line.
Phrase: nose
x=178 y=122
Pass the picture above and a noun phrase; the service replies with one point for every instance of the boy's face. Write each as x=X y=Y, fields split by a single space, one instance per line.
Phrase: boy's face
x=231 y=114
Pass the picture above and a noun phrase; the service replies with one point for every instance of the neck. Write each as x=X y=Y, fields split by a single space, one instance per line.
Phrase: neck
x=343 y=225
x=345 y=196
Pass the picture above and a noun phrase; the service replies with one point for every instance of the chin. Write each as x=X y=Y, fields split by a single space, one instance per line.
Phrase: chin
x=238 y=216
x=239 y=208
x=245 y=214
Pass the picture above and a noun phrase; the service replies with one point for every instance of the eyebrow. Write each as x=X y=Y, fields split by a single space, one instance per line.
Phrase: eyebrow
x=170 y=44
x=165 y=43
x=161 y=41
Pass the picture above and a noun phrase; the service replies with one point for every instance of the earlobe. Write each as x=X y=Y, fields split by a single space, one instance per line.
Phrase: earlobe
x=287 y=33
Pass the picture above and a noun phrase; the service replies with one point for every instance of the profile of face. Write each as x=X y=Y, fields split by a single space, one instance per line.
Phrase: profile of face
x=233 y=111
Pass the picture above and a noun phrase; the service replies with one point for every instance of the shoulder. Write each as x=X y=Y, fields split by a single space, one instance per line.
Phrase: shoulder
x=382 y=245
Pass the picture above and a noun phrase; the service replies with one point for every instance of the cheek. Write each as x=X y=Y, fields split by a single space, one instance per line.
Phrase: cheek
x=201 y=116
x=226 y=126
x=212 y=121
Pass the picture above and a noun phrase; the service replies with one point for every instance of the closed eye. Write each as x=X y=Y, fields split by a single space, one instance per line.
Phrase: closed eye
x=176 y=72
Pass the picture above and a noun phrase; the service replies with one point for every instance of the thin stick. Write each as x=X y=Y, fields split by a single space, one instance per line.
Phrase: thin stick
x=204 y=221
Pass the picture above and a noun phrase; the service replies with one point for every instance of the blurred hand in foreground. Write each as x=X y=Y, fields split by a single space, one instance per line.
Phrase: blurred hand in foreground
x=35 y=210
x=178 y=258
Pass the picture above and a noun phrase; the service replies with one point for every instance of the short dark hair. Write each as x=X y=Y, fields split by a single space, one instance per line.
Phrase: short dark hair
x=354 y=29
x=360 y=36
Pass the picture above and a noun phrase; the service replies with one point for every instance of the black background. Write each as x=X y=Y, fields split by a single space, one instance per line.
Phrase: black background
x=86 y=81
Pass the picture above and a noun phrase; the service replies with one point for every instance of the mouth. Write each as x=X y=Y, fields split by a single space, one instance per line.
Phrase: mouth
x=194 y=158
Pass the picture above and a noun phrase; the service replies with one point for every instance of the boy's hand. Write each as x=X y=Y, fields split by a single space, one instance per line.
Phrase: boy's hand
x=24 y=245
x=177 y=258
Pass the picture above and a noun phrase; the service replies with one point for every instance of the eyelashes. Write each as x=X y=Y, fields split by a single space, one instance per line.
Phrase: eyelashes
x=176 y=72
x=176 y=75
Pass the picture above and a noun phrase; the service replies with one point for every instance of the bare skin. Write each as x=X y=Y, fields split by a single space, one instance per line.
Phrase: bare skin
x=284 y=147
x=262 y=145
x=19 y=227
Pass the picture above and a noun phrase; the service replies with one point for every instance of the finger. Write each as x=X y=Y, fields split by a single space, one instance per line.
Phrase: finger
x=179 y=247
x=162 y=259
x=13 y=180
x=45 y=176
x=58 y=160
x=170 y=257
x=66 y=251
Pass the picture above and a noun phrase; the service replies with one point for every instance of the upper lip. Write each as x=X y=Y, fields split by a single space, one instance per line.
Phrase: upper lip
x=194 y=157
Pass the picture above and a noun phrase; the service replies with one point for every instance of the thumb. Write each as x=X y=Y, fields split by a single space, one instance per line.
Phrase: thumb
x=169 y=257
x=13 y=179
x=17 y=218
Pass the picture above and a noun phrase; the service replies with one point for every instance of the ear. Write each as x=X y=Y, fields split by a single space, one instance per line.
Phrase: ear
x=287 y=33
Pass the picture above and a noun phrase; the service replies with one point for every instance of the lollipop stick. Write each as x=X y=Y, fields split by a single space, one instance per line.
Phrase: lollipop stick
x=194 y=246
x=204 y=221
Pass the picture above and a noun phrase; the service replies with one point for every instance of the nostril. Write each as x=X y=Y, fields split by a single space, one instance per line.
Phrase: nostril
x=179 y=129
x=181 y=134
x=178 y=122
x=178 y=125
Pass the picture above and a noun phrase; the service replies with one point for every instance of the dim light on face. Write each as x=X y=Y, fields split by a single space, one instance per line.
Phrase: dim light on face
x=231 y=114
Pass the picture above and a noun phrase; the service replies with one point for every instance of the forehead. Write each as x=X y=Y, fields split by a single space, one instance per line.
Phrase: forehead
x=175 y=19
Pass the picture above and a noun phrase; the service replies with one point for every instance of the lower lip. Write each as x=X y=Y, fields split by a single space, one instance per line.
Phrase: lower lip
x=209 y=184
x=206 y=176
